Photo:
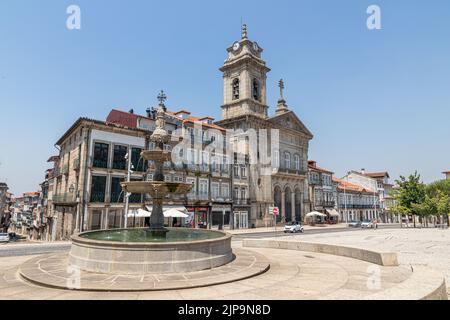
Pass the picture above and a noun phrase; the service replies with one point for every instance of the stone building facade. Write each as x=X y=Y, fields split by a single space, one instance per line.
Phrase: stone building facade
x=283 y=182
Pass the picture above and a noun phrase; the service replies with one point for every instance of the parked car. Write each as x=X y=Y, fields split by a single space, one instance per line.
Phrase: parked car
x=354 y=224
x=367 y=224
x=4 y=237
x=293 y=227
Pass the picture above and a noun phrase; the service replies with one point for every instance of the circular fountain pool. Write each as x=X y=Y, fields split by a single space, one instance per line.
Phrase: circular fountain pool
x=136 y=251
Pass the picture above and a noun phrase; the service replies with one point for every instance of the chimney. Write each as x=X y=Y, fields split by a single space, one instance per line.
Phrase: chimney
x=363 y=171
x=149 y=112
x=131 y=111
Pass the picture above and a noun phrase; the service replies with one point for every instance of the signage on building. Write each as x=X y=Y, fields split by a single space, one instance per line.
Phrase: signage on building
x=274 y=211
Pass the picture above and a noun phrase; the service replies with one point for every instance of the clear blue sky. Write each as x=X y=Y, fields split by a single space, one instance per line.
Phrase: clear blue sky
x=378 y=100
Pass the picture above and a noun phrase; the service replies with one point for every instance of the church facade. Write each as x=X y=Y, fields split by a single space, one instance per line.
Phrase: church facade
x=245 y=108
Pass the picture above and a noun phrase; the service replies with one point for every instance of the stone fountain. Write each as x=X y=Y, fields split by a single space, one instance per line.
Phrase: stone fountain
x=155 y=249
x=158 y=189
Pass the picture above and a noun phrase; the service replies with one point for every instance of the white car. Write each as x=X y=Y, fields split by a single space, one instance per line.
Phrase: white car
x=293 y=227
x=367 y=224
x=4 y=237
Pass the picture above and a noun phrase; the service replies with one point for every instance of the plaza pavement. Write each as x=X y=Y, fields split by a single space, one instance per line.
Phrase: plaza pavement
x=293 y=274
x=421 y=247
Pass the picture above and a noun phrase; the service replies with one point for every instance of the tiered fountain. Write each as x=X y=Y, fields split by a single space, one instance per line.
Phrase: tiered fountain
x=155 y=249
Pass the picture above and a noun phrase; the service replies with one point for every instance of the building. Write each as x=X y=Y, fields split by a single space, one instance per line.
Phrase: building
x=5 y=204
x=368 y=183
x=283 y=182
x=25 y=209
x=321 y=191
x=355 y=202
x=384 y=188
x=447 y=174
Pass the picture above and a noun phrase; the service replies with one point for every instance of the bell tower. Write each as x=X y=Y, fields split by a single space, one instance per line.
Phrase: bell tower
x=244 y=80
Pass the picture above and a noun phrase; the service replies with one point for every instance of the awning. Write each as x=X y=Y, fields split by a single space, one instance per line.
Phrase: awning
x=333 y=212
x=315 y=213
x=168 y=211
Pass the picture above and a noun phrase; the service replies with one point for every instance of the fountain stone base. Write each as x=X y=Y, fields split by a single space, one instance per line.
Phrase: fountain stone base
x=140 y=258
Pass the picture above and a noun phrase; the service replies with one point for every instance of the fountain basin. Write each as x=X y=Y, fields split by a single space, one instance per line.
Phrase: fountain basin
x=116 y=256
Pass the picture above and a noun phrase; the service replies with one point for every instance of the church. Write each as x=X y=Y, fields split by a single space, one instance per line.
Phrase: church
x=245 y=108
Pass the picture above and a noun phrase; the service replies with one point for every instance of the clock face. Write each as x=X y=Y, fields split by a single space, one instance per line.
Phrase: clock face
x=236 y=46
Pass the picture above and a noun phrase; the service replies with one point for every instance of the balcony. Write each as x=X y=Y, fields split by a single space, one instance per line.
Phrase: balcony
x=98 y=197
x=292 y=171
x=325 y=204
x=64 y=198
x=241 y=202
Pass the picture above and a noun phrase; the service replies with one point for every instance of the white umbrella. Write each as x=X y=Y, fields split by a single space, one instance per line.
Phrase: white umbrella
x=174 y=213
x=315 y=213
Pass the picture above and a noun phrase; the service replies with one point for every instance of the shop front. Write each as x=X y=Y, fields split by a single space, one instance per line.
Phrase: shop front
x=221 y=216
x=198 y=216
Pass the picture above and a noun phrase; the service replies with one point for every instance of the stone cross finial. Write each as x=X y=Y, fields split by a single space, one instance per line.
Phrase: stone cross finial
x=162 y=97
x=244 y=31
x=281 y=85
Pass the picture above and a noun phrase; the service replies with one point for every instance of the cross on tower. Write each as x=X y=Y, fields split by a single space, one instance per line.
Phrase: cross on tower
x=162 y=98
x=281 y=85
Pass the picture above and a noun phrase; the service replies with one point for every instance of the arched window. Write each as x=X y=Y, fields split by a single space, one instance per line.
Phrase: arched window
x=256 y=89
x=287 y=160
x=236 y=89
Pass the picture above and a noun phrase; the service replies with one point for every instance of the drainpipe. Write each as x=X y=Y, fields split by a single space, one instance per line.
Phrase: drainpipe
x=85 y=187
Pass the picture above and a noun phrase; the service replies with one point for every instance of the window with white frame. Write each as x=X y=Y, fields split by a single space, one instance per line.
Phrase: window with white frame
x=225 y=190
x=243 y=172
x=214 y=190
x=297 y=162
x=203 y=188
x=287 y=160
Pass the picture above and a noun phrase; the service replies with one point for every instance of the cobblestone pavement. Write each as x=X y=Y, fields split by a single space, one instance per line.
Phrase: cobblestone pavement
x=427 y=247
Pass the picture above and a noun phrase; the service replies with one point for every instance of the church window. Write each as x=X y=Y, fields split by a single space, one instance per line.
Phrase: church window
x=256 y=89
x=236 y=89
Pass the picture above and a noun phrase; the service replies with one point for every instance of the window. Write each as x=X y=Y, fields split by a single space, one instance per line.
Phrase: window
x=136 y=160
x=98 y=188
x=236 y=193
x=287 y=160
x=119 y=161
x=255 y=89
x=101 y=151
x=236 y=171
x=193 y=191
x=243 y=194
x=114 y=218
x=225 y=191
x=243 y=172
x=135 y=197
x=214 y=190
x=203 y=189
x=235 y=87
x=116 y=190
x=297 y=162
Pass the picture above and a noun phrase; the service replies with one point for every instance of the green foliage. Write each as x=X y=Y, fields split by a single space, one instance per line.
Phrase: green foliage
x=410 y=195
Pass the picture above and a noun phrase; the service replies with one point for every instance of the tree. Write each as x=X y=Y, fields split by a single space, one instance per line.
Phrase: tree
x=440 y=192
x=409 y=194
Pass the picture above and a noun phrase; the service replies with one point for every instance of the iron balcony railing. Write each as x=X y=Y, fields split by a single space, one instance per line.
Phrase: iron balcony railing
x=64 y=198
x=98 y=197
